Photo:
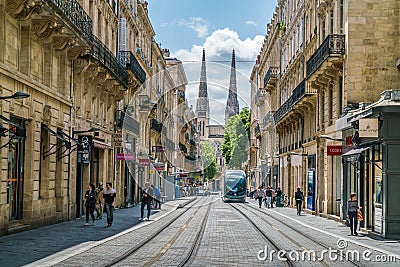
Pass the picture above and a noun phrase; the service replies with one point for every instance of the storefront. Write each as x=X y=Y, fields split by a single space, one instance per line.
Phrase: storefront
x=371 y=169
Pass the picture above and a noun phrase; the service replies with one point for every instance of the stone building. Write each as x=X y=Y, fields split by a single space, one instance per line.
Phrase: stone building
x=319 y=60
x=84 y=64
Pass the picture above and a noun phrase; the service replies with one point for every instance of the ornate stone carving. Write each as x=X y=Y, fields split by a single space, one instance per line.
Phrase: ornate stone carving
x=24 y=9
x=62 y=43
x=45 y=28
x=46 y=117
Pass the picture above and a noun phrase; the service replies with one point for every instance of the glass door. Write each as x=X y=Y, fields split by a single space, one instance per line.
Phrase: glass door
x=15 y=176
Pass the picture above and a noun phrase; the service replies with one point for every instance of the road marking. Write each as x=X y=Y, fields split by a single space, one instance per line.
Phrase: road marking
x=227 y=220
x=335 y=235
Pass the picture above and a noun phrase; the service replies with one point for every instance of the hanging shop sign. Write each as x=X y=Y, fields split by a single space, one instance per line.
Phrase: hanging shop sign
x=368 y=127
x=125 y=156
x=334 y=150
x=116 y=140
x=144 y=162
x=84 y=148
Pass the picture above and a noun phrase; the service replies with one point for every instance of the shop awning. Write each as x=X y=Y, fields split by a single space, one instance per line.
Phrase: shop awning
x=101 y=144
x=355 y=151
x=353 y=155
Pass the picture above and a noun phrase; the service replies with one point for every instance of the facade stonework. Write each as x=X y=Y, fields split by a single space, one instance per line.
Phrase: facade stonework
x=319 y=60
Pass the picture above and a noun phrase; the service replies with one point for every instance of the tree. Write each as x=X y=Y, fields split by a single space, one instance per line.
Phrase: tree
x=236 y=139
x=209 y=160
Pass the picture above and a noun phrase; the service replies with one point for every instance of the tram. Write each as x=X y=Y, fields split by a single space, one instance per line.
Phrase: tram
x=234 y=186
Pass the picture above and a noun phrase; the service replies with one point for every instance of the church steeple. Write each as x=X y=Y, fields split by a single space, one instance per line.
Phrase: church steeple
x=202 y=105
x=232 y=103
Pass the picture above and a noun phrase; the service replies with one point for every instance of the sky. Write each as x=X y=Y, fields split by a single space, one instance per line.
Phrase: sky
x=185 y=27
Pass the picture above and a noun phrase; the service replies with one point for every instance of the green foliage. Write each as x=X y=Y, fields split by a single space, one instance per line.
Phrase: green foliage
x=209 y=160
x=236 y=139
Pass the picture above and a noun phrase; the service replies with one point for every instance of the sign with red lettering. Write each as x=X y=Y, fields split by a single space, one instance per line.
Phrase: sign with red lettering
x=144 y=162
x=127 y=156
x=334 y=150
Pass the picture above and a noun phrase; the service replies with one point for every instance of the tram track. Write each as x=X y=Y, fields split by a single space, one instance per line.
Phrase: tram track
x=183 y=228
x=288 y=261
x=256 y=212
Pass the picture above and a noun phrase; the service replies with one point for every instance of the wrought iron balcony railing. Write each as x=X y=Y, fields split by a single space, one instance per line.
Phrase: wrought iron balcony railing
x=272 y=73
x=128 y=60
x=267 y=118
x=103 y=55
x=257 y=130
x=297 y=94
x=73 y=12
x=154 y=125
x=333 y=45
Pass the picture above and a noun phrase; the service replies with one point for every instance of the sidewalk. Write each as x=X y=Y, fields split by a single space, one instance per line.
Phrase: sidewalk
x=29 y=246
x=332 y=228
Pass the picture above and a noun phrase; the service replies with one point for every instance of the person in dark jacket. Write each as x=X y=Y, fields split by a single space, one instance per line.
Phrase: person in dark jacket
x=90 y=203
x=278 y=196
x=147 y=197
x=352 y=208
x=299 y=197
x=109 y=196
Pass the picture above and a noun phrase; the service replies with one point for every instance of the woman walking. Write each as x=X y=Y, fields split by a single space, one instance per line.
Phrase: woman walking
x=90 y=204
x=352 y=208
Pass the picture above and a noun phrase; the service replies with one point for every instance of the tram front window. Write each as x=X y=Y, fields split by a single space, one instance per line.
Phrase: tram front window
x=235 y=184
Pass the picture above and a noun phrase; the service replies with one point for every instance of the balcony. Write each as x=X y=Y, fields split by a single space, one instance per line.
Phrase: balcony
x=128 y=60
x=298 y=93
x=154 y=125
x=271 y=76
x=332 y=46
x=257 y=131
x=267 y=118
x=103 y=55
x=75 y=14
x=181 y=96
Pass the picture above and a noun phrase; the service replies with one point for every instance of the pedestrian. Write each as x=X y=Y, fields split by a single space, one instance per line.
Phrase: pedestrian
x=90 y=203
x=352 y=208
x=260 y=194
x=147 y=197
x=278 y=196
x=157 y=197
x=299 y=200
x=268 y=197
x=99 y=201
x=109 y=196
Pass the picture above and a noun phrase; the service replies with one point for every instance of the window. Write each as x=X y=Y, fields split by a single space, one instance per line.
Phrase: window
x=323 y=109
x=341 y=16
x=340 y=95
x=331 y=22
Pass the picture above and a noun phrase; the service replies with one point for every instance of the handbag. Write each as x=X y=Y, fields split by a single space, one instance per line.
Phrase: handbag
x=360 y=216
x=347 y=222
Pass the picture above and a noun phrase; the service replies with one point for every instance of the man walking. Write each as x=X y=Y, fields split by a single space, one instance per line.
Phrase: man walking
x=109 y=196
x=147 y=197
x=260 y=194
x=299 y=200
x=99 y=201
x=268 y=194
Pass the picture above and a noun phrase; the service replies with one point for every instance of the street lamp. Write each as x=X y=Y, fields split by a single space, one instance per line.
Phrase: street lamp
x=324 y=136
x=93 y=129
x=17 y=95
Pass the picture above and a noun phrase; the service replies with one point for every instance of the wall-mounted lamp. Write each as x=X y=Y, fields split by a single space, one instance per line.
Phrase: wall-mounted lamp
x=324 y=136
x=17 y=95
x=93 y=129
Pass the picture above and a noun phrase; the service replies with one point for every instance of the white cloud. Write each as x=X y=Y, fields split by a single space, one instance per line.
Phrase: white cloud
x=250 y=22
x=198 y=24
x=221 y=42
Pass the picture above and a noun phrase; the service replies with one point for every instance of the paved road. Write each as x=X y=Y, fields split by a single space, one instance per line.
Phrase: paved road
x=228 y=239
x=29 y=246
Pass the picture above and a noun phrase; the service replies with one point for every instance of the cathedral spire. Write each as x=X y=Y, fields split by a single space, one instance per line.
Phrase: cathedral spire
x=202 y=105
x=232 y=103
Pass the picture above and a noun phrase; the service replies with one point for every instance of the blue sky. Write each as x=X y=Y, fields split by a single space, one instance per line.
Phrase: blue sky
x=186 y=26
